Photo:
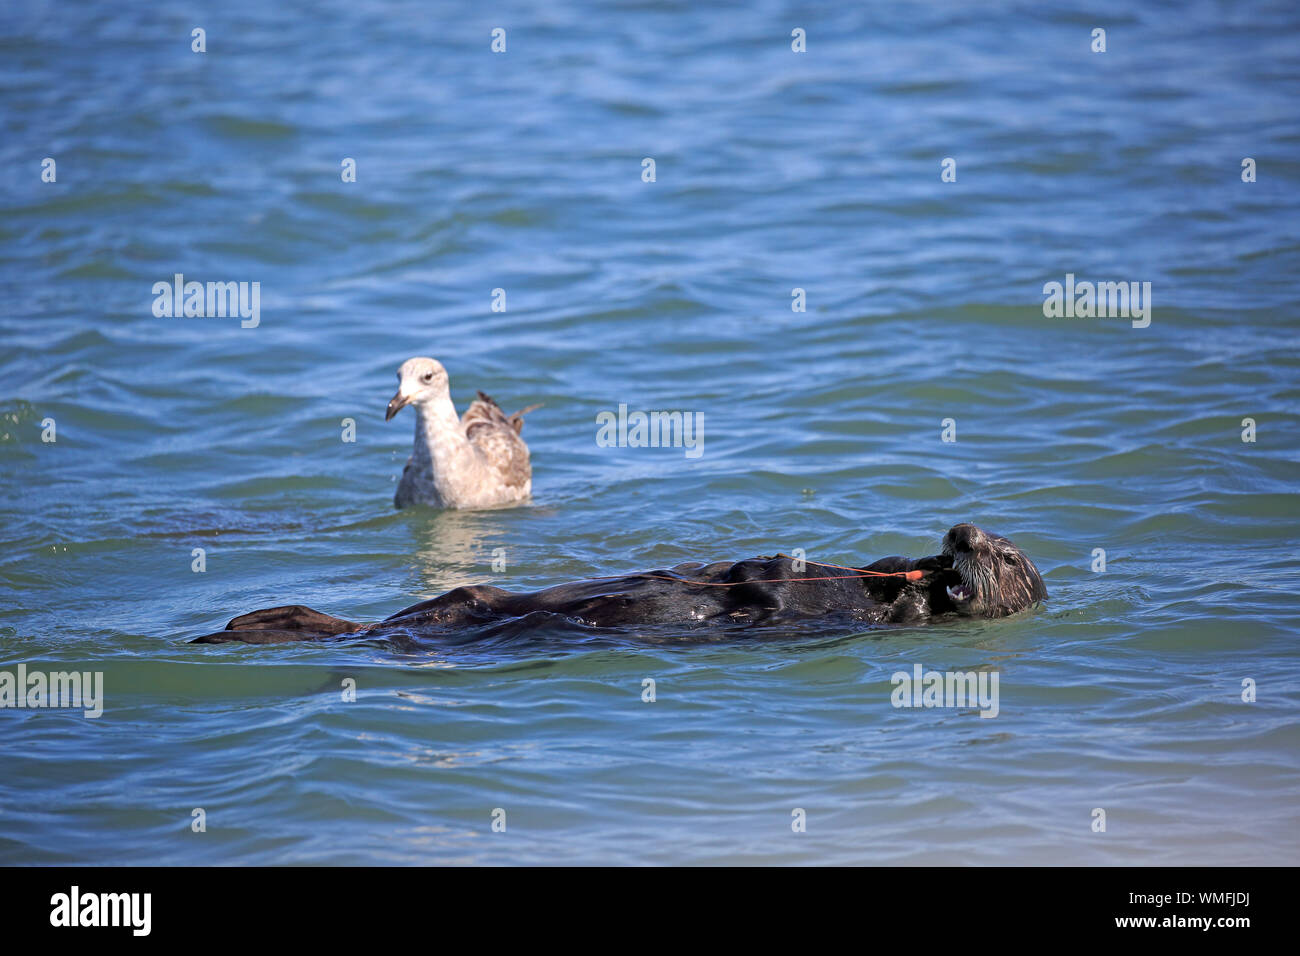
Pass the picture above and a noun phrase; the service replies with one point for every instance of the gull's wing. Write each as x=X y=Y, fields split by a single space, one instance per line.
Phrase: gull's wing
x=496 y=437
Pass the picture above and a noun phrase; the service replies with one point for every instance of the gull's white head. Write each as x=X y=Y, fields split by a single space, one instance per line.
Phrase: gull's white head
x=419 y=380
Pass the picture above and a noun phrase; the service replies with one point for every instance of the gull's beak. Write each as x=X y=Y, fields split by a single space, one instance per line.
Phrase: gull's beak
x=399 y=402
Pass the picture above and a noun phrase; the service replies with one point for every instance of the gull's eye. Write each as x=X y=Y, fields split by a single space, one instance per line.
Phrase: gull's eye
x=426 y=378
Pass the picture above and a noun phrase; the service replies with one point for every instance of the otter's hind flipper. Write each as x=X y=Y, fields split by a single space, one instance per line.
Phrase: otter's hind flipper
x=280 y=625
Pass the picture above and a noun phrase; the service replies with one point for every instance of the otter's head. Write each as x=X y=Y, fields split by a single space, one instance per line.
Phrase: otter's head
x=996 y=577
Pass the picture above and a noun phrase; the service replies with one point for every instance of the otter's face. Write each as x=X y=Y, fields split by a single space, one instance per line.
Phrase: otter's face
x=996 y=578
x=419 y=380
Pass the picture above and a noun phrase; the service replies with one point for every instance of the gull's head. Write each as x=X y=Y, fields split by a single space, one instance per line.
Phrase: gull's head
x=419 y=380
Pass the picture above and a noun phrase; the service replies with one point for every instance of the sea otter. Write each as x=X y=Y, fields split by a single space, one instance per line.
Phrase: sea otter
x=977 y=573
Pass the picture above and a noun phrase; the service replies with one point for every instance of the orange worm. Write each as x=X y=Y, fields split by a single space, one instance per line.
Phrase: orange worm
x=857 y=573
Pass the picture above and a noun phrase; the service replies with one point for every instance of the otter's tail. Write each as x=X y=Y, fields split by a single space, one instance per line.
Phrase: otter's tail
x=280 y=625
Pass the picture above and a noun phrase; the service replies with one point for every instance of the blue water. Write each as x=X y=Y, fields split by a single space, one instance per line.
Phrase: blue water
x=775 y=170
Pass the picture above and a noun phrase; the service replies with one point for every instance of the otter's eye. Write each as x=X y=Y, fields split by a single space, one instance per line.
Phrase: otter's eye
x=426 y=378
x=1009 y=558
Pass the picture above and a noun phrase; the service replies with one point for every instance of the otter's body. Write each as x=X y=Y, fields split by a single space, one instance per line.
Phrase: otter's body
x=978 y=574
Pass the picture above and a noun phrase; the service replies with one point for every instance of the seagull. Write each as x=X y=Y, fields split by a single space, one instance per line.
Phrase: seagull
x=474 y=461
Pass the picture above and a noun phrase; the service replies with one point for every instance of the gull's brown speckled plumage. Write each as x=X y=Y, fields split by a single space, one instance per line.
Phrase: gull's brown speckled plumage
x=496 y=436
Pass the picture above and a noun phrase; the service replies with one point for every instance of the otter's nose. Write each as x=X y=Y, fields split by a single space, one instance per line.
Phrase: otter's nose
x=962 y=537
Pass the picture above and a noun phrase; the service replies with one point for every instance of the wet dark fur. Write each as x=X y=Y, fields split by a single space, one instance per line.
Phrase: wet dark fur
x=999 y=577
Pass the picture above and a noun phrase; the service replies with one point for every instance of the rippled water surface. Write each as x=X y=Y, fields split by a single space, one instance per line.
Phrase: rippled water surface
x=775 y=170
